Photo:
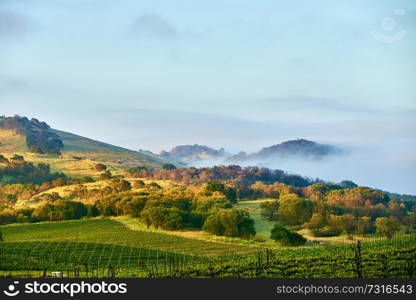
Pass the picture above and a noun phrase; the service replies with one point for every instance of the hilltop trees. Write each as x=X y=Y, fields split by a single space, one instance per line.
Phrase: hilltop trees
x=39 y=136
x=168 y=167
x=347 y=184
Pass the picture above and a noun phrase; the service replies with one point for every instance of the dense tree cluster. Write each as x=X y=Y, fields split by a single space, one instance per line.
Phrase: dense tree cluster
x=230 y=222
x=11 y=193
x=203 y=198
x=329 y=210
x=59 y=210
x=207 y=206
x=17 y=170
x=233 y=174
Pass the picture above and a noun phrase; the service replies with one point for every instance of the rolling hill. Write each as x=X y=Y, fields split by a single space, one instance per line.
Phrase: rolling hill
x=299 y=148
x=193 y=153
x=95 y=150
x=64 y=151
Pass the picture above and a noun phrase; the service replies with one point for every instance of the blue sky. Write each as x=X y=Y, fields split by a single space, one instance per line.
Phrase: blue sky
x=233 y=74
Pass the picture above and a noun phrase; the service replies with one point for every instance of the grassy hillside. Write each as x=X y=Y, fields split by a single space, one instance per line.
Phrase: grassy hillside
x=113 y=232
x=79 y=154
x=10 y=141
x=65 y=191
x=67 y=163
x=90 y=149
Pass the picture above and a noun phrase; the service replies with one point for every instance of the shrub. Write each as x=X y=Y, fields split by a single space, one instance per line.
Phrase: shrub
x=106 y=175
x=154 y=186
x=286 y=237
x=138 y=184
x=100 y=167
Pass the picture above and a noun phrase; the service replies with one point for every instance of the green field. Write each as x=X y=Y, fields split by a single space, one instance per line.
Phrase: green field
x=100 y=245
x=107 y=248
x=103 y=230
x=263 y=227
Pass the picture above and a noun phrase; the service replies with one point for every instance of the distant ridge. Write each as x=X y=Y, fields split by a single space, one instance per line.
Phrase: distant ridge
x=299 y=148
x=192 y=153
x=295 y=148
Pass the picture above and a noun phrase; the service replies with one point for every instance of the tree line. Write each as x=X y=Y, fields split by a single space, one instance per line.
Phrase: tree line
x=330 y=210
x=17 y=170
x=208 y=207
x=232 y=174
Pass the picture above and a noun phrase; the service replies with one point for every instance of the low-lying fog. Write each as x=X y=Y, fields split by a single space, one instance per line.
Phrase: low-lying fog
x=385 y=166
